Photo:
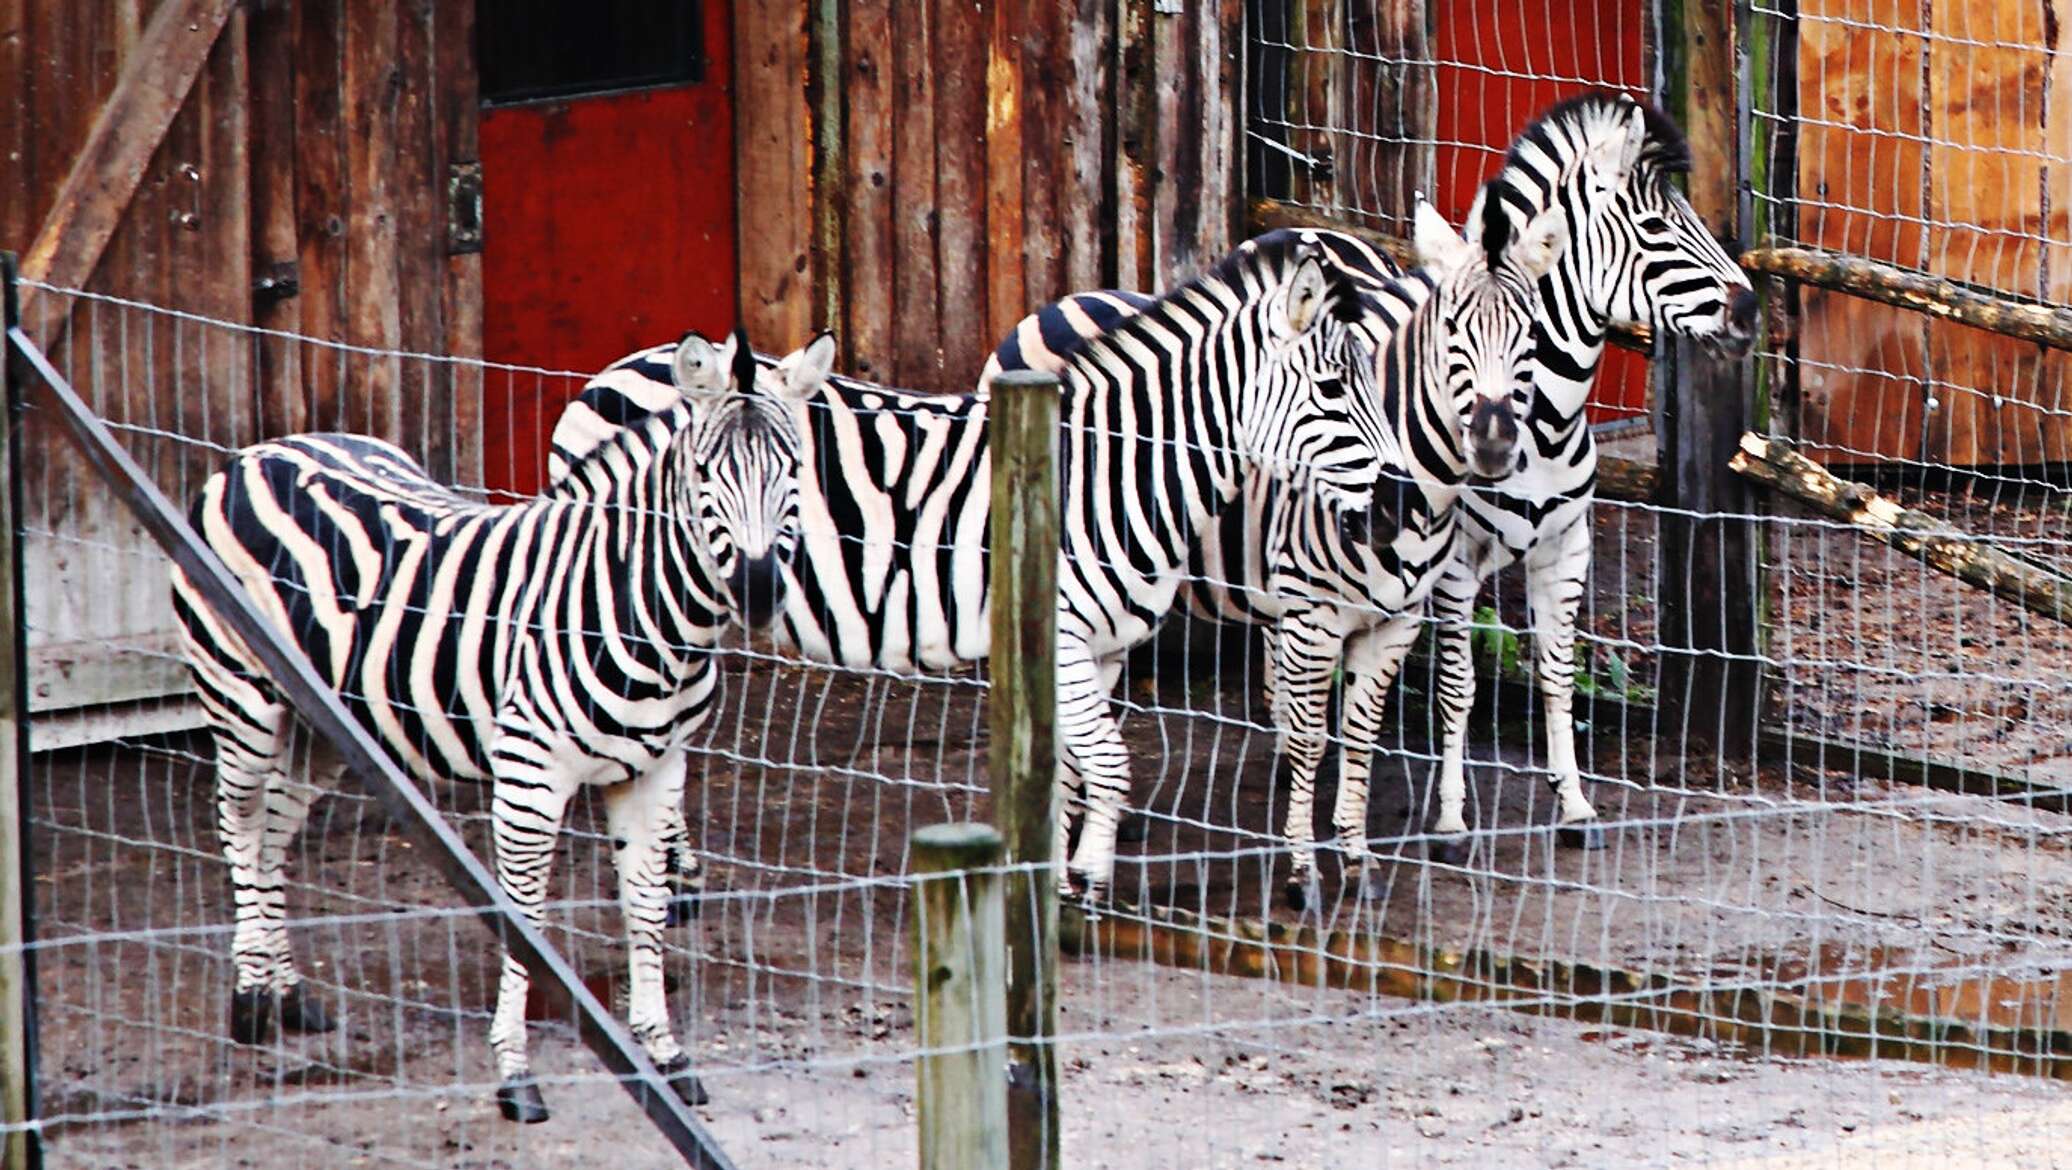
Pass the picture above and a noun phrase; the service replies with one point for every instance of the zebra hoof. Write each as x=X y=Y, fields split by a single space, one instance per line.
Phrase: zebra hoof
x=677 y=1071
x=518 y=1099
x=303 y=1012
x=1581 y=835
x=1134 y=829
x=684 y=909
x=1448 y=850
x=1300 y=893
x=251 y=1015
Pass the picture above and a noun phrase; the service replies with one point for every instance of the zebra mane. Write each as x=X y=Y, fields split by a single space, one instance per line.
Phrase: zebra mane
x=1496 y=226
x=1665 y=148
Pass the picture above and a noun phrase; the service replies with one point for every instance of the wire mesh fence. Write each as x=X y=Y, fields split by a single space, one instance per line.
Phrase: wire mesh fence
x=1673 y=998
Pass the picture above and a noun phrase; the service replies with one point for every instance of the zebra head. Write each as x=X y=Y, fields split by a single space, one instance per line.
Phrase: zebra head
x=742 y=447
x=1483 y=304
x=1641 y=254
x=1315 y=407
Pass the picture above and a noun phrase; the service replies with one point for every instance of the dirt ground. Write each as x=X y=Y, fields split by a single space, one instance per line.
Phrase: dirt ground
x=791 y=990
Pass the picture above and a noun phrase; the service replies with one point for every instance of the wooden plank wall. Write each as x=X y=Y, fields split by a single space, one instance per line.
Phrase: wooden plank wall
x=1926 y=139
x=316 y=140
x=991 y=157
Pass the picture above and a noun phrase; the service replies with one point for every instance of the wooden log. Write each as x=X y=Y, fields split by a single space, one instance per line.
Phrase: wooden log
x=1021 y=715
x=1265 y=215
x=1006 y=297
x=962 y=258
x=320 y=205
x=1935 y=296
x=773 y=138
x=867 y=231
x=1627 y=480
x=960 y=1003
x=1776 y=465
x=916 y=301
x=460 y=143
x=826 y=93
x=157 y=74
x=1708 y=608
x=17 y=963
x=1766 y=1011
x=277 y=376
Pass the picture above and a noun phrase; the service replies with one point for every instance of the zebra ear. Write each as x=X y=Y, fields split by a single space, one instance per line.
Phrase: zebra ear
x=1437 y=245
x=1609 y=161
x=804 y=370
x=1539 y=247
x=1305 y=295
x=699 y=366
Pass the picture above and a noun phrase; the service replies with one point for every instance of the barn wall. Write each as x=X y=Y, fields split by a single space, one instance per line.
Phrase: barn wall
x=918 y=175
x=313 y=144
x=1932 y=136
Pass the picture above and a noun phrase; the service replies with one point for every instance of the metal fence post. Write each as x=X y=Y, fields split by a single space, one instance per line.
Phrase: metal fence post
x=19 y=1147
x=960 y=998
x=1709 y=593
x=1021 y=711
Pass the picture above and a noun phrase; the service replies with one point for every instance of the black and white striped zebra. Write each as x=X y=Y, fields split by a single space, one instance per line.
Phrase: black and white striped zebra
x=1641 y=256
x=1254 y=364
x=1454 y=351
x=541 y=646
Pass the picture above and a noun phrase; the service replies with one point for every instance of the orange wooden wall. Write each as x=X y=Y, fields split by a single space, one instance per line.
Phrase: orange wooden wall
x=1932 y=136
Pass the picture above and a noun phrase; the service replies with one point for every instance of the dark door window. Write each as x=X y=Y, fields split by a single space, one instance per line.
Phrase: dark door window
x=530 y=50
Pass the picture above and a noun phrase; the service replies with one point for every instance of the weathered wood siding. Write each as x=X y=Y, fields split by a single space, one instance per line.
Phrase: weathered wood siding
x=314 y=141
x=1931 y=136
x=990 y=158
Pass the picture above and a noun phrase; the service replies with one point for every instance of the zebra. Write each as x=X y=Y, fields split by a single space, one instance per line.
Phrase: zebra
x=1641 y=256
x=1454 y=349
x=542 y=646
x=1638 y=254
x=1257 y=362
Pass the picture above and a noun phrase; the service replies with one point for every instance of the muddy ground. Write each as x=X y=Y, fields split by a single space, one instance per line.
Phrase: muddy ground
x=791 y=990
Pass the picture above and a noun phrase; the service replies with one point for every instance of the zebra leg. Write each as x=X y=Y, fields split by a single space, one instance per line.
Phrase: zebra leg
x=1372 y=659
x=1453 y=609
x=639 y=815
x=1307 y=652
x=248 y=766
x=682 y=871
x=287 y=810
x=1554 y=593
x=1088 y=734
x=1134 y=828
x=526 y=807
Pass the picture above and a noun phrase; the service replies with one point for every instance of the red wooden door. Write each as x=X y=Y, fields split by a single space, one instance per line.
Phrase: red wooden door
x=1500 y=64
x=608 y=226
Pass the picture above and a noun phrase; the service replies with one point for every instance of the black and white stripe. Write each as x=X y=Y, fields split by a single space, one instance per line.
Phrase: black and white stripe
x=1453 y=347
x=1255 y=364
x=1641 y=256
x=540 y=646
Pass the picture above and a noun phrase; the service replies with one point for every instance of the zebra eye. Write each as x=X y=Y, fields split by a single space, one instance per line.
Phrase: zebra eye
x=1653 y=225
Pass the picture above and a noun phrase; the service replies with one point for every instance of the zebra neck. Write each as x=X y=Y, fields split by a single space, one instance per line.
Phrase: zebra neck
x=1416 y=402
x=649 y=540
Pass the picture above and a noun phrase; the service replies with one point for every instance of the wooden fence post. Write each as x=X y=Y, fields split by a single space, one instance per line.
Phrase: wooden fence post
x=1021 y=712
x=1709 y=593
x=960 y=998
x=19 y=1147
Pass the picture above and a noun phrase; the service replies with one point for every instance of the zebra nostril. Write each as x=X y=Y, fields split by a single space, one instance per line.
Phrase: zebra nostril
x=1741 y=310
x=758 y=588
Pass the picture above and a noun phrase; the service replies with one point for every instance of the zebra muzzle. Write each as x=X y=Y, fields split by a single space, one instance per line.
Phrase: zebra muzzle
x=1492 y=437
x=758 y=589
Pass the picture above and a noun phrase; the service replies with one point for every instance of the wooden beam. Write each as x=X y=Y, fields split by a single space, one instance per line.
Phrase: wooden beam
x=773 y=159
x=1934 y=296
x=1269 y=214
x=1711 y=590
x=1763 y=1008
x=156 y=77
x=1777 y=466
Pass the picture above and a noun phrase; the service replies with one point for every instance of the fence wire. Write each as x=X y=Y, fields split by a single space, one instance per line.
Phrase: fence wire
x=1673 y=999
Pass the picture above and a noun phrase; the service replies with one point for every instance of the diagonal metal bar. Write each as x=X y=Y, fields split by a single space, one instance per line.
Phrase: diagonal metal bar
x=317 y=703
